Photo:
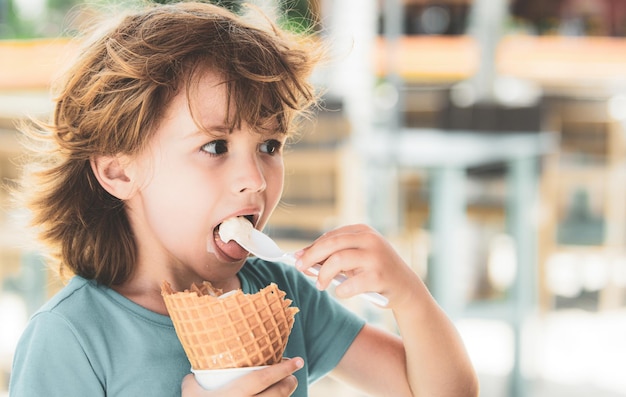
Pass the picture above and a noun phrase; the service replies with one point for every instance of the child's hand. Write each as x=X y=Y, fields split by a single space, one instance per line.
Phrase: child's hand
x=274 y=381
x=366 y=258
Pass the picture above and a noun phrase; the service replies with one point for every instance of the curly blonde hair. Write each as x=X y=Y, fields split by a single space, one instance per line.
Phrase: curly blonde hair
x=112 y=99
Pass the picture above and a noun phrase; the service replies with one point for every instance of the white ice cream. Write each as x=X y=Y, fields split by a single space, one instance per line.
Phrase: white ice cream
x=235 y=227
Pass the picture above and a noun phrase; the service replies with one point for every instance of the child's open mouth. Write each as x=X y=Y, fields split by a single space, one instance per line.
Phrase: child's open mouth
x=230 y=248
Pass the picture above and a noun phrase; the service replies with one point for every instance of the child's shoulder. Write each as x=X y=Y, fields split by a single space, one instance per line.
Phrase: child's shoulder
x=58 y=317
x=73 y=292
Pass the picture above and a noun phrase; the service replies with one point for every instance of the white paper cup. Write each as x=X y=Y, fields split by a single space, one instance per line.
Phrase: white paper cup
x=212 y=379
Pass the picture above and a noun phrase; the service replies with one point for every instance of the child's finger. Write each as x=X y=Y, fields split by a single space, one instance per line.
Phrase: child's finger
x=357 y=273
x=190 y=387
x=274 y=378
x=341 y=262
x=285 y=387
x=327 y=245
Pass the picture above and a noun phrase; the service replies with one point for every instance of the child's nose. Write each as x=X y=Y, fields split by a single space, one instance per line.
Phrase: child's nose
x=249 y=176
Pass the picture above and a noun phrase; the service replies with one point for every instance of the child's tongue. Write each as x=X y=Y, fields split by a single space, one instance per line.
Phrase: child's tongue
x=231 y=248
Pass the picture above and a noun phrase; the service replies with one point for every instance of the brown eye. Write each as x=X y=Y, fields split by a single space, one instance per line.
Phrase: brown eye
x=271 y=146
x=215 y=147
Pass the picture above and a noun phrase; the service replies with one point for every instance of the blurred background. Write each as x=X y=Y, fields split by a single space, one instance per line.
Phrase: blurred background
x=484 y=138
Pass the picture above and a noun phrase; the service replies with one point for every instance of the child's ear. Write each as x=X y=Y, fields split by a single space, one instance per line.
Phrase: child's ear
x=112 y=173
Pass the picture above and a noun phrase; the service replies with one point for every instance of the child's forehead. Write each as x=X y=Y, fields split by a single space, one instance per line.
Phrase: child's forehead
x=204 y=83
x=203 y=96
x=210 y=98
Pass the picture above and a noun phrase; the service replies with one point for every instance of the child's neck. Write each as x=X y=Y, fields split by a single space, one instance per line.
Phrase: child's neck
x=149 y=298
x=147 y=292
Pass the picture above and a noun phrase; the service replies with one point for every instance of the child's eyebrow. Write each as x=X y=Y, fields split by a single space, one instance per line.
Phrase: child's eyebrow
x=220 y=131
x=211 y=130
x=217 y=129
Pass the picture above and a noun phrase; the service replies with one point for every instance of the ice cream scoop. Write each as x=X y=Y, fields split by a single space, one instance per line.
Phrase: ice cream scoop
x=235 y=227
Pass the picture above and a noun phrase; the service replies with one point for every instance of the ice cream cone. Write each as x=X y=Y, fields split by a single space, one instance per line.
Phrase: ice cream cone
x=230 y=330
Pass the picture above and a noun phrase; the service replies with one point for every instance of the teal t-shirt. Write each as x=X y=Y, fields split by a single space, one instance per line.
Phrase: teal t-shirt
x=88 y=340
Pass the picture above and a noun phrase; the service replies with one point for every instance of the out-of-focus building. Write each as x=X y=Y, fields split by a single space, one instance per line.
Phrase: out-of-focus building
x=557 y=67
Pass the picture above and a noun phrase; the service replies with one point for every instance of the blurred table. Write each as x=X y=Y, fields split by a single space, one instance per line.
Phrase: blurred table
x=447 y=155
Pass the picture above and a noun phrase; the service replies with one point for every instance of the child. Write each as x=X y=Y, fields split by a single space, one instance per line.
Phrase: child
x=168 y=124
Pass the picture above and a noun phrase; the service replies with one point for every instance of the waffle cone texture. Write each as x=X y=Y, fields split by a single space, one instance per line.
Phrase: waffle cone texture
x=230 y=330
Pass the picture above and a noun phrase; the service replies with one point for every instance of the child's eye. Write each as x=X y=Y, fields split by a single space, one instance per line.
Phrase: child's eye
x=271 y=146
x=216 y=147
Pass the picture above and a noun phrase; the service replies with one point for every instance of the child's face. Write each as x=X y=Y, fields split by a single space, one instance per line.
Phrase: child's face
x=190 y=181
